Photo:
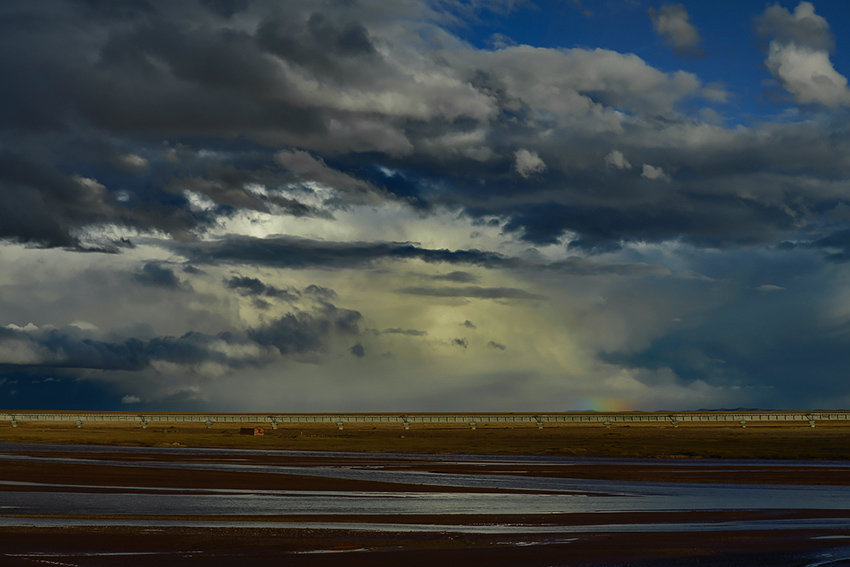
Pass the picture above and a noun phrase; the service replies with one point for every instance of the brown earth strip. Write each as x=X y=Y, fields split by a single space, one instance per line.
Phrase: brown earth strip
x=105 y=475
x=244 y=546
x=659 y=471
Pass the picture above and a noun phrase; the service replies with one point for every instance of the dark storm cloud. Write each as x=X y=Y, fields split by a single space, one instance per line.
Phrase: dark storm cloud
x=183 y=78
x=322 y=45
x=246 y=286
x=835 y=245
x=408 y=332
x=135 y=73
x=737 y=346
x=802 y=371
x=292 y=252
x=320 y=292
x=304 y=332
x=135 y=68
x=455 y=277
x=169 y=69
x=302 y=253
x=293 y=333
x=471 y=292
x=54 y=388
x=41 y=205
x=299 y=333
x=584 y=267
x=133 y=115
x=119 y=9
x=45 y=207
x=72 y=348
x=226 y=8
x=255 y=287
x=226 y=185
x=153 y=274
x=600 y=226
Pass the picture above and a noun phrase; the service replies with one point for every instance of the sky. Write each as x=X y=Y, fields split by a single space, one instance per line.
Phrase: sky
x=363 y=205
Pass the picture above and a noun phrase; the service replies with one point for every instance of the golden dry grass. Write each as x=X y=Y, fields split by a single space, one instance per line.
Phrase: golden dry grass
x=694 y=440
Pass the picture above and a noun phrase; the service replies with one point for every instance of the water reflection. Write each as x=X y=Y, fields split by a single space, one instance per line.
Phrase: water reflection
x=543 y=496
x=504 y=528
x=660 y=497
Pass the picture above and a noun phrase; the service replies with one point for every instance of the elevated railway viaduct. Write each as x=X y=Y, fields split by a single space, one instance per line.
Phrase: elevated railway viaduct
x=407 y=420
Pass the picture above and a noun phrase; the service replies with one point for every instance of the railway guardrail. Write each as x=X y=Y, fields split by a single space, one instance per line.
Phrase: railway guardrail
x=406 y=420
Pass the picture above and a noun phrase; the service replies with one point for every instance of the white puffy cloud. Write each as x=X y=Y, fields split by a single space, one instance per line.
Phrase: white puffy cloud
x=617 y=160
x=83 y=325
x=132 y=162
x=555 y=85
x=654 y=173
x=471 y=144
x=803 y=27
x=528 y=163
x=672 y=22
x=798 y=55
x=21 y=351
x=807 y=75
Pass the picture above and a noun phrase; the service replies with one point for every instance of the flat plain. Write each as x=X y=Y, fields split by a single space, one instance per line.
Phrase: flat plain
x=768 y=440
x=567 y=481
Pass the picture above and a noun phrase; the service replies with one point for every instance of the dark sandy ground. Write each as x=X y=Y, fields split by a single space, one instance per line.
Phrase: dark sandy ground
x=233 y=546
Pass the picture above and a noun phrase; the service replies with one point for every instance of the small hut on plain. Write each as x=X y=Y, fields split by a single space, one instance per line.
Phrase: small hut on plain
x=252 y=431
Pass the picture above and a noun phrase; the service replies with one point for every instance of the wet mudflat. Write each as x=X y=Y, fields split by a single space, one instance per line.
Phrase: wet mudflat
x=86 y=506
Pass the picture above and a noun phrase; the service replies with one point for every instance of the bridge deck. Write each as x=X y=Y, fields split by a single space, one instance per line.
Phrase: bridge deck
x=430 y=418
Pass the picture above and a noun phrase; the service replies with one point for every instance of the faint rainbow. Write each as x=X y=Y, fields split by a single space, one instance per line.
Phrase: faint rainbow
x=604 y=404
